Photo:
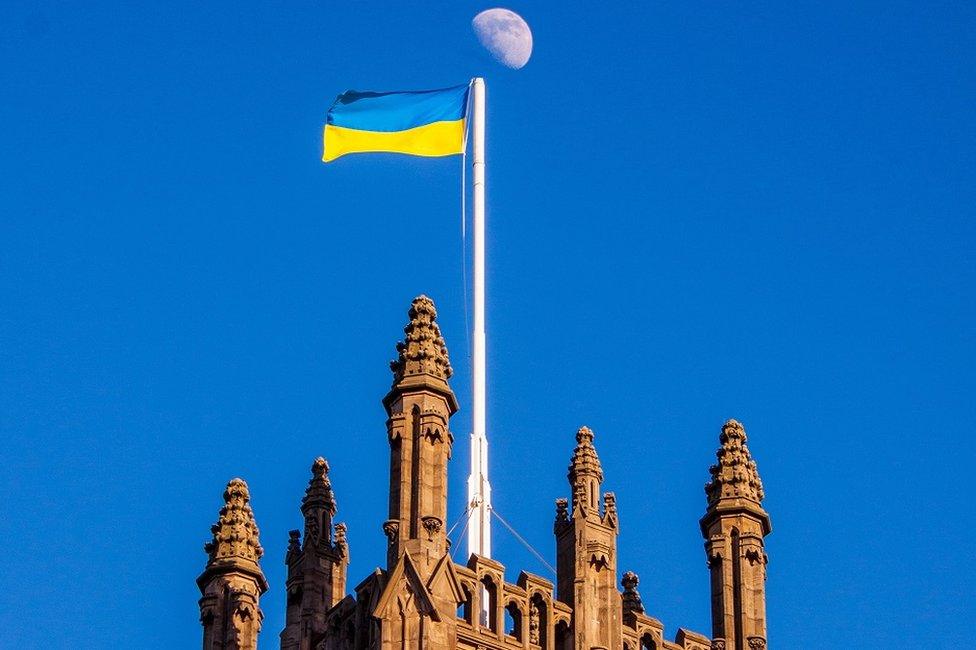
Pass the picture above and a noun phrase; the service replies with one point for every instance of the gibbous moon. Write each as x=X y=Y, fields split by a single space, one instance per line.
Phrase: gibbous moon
x=506 y=35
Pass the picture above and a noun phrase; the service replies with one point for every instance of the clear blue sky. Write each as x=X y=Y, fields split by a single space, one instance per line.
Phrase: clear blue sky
x=697 y=211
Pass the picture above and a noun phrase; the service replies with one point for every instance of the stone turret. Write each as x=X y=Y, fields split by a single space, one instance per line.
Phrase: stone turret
x=586 y=551
x=419 y=405
x=316 y=564
x=232 y=582
x=420 y=599
x=734 y=528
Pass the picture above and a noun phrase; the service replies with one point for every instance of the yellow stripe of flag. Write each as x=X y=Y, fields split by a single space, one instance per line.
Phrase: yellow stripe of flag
x=436 y=139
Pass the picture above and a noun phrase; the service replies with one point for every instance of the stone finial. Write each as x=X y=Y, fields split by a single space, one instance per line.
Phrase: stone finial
x=631 y=597
x=232 y=582
x=584 y=465
x=585 y=461
x=318 y=504
x=423 y=350
x=294 y=545
x=562 y=510
x=341 y=543
x=735 y=475
x=584 y=435
x=235 y=535
x=319 y=493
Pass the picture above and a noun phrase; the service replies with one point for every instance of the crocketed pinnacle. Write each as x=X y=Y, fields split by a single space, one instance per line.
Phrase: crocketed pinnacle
x=585 y=463
x=341 y=543
x=318 y=494
x=235 y=535
x=423 y=350
x=294 y=545
x=319 y=505
x=735 y=475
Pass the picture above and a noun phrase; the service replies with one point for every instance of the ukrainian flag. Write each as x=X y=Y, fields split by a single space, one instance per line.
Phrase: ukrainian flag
x=418 y=123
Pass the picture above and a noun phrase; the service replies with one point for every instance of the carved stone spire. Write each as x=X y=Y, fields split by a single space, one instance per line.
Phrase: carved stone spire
x=232 y=582
x=734 y=528
x=585 y=472
x=423 y=350
x=586 y=552
x=235 y=535
x=419 y=405
x=631 y=597
x=319 y=505
x=735 y=475
x=316 y=564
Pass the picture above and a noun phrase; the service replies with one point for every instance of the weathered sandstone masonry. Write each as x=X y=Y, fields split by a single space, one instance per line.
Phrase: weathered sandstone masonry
x=421 y=599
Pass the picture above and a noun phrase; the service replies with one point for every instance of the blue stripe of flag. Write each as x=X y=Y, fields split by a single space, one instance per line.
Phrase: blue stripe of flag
x=398 y=111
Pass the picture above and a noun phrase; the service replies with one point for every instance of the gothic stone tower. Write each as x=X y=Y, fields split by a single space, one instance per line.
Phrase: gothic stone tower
x=734 y=527
x=417 y=605
x=316 y=565
x=420 y=599
x=586 y=551
x=232 y=582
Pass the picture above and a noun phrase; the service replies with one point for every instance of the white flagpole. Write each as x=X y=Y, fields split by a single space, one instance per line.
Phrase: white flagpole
x=479 y=490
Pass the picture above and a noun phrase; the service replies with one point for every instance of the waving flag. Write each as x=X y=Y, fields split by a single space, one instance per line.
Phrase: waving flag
x=417 y=123
x=433 y=123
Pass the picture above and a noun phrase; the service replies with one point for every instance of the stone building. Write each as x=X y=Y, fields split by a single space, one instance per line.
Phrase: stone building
x=422 y=599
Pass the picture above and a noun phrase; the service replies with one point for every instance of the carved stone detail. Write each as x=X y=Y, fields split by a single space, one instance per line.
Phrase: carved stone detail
x=755 y=556
x=534 y=637
x=562 y=510
x=235 y=535
x=232 y=581
x=584 y=468
x=734 y=526
x=735 y=474
x=713 y=551
x=423 y=350
x=319 y=505
x=391 y=528
x=432 y=525
x=294 y=545
x=341 y=545
x=414 y=601
x=631 y=597
x=610 y=508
